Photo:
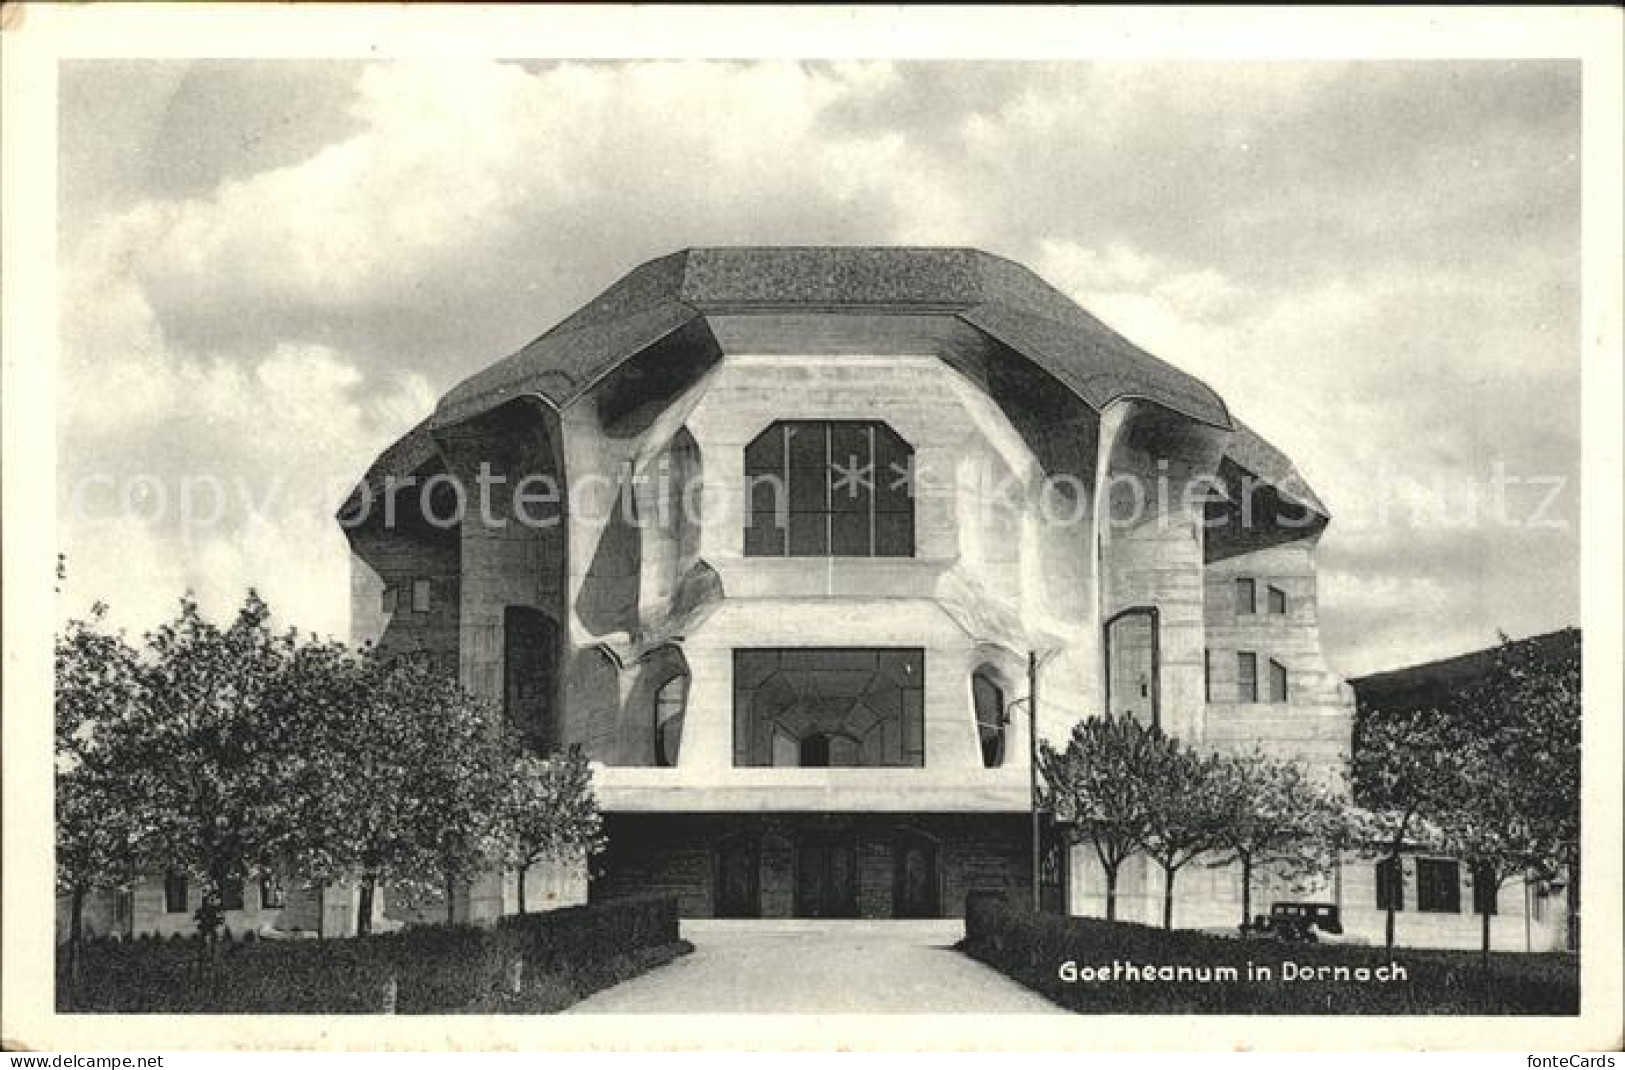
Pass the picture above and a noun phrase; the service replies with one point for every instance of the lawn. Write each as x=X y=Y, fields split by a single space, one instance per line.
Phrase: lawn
x=1099 y=967
x=537 y=964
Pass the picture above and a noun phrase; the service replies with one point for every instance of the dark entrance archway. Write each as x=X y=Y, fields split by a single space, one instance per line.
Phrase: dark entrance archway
x=916 y=880
x=827 y=876
x=738 y=878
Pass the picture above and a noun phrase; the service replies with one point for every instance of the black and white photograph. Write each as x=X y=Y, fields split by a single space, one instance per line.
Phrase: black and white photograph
x=546 y=517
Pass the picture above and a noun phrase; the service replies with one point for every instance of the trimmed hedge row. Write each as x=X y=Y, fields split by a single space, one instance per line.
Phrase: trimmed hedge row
x=537 y=963
x=1035 y=948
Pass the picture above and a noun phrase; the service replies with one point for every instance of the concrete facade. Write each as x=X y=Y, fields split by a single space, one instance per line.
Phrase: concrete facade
x=1038 y=442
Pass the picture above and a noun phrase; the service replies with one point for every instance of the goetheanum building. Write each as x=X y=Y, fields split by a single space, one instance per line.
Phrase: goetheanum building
x=775 y=536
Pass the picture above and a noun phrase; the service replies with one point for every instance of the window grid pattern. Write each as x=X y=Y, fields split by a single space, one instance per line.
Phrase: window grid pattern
x=829 y=489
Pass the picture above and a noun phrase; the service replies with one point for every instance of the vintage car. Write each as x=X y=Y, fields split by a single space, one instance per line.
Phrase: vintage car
x=1300 y=923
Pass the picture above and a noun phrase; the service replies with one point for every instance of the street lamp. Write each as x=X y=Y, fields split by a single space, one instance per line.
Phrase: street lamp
x=1033 y=664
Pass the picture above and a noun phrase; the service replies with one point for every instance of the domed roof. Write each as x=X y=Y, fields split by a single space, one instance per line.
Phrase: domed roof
x=997 y=298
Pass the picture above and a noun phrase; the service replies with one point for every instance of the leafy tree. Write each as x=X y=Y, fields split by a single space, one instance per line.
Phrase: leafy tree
x=100 y=832
x=1182 y=820
x=1405 y=768
x=198 y=739
x=1514 y=807
x=456 y=808
x=418 y=784
x=1098 y=786
x=549 y=813
x=1269 y=812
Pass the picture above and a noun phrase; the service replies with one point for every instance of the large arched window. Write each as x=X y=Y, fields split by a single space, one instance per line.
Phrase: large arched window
x=829 y=488
x=669 y=703
x=990 y=719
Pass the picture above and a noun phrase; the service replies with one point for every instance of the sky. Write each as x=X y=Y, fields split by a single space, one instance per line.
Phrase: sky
x=271 y=269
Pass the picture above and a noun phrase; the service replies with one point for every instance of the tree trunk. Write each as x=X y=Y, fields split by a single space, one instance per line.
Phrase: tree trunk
x=1388 y=935
x=1246 y=892
x=321 y=911
x=451 y=901
x=76 y=932
x=522 y=870
x=1484 y=949
x=363 y=913
x=1168 y=897
x=1111 y=893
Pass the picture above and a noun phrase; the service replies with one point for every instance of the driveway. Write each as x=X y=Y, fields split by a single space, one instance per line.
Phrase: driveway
x=820 y=967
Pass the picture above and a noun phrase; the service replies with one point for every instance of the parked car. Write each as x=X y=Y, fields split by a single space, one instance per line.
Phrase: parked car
x=1301 y=923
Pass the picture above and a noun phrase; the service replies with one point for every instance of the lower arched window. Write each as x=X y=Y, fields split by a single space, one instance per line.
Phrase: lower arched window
x=670 y=701
x=990 y=720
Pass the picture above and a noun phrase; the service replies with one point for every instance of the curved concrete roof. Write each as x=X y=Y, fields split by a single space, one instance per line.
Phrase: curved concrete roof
x=999 y=298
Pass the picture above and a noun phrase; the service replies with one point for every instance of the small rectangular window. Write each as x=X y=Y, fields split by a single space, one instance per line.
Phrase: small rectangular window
x=1277 y=601
x=1246 y=597
x=391 y=597
x=1438 y=886
x=271 y=897
x=1246 y=677
x=1277 y=681
x=1390 y=884
x=420 y=596
x=175 y=893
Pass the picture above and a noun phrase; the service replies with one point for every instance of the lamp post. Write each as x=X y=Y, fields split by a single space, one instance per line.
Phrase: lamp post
x=1032 y=772
x=1031 y=702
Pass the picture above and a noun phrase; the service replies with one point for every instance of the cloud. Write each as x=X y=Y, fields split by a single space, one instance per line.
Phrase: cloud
x=1375 y=264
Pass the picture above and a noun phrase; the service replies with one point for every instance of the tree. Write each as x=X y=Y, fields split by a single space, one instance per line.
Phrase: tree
x=549 y=813
x=1182 y=817
x=416 y=782
x=1099 y=786
x=100 y=832
x=1269 y=812
x=198 y=739
x=1405 y=767
x=1514 y=807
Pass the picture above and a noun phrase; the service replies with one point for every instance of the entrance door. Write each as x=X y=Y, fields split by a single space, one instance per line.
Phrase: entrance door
x=826 y=879
x=914 y=893
x=738 y=864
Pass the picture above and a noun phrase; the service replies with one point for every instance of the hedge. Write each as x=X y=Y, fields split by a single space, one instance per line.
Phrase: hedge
x=535 y=963
x=1034 y=948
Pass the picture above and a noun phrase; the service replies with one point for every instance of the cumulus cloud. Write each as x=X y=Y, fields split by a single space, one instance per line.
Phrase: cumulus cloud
x=1374 y=263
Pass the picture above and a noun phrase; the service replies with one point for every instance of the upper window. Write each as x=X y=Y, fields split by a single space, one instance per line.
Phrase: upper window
x=989 y=718
x=420 y=596
x=271 y=894
x=1438 y=886
x=829 y=489
x=669 y=703
x=1246 y=597
x=1277 y=601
